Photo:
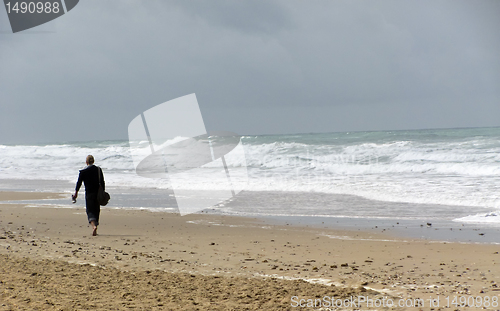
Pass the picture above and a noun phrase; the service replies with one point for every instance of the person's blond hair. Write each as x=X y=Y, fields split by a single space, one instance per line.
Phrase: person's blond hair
x=89 y=159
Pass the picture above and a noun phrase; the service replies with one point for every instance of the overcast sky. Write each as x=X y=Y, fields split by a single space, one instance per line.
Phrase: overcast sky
x=257 y=67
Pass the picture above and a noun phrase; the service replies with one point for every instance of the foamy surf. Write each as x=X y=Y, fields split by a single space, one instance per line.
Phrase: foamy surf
x=439 y=168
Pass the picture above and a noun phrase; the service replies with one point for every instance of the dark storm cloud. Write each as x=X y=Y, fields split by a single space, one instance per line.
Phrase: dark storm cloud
x=256 y=67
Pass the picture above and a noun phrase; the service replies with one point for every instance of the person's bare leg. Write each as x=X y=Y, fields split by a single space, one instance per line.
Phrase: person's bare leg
x=94 y=226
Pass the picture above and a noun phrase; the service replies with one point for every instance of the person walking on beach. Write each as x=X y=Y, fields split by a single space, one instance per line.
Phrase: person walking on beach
x=91 y=176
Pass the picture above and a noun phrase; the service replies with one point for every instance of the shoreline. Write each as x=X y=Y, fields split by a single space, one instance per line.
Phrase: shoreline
x=135 y=241
x=436 y=230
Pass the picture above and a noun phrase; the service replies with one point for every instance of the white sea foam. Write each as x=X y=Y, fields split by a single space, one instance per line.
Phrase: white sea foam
x=445 y=167
x=483 y=218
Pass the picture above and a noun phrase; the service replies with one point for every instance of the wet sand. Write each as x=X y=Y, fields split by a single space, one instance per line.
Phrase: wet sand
x=145 y=260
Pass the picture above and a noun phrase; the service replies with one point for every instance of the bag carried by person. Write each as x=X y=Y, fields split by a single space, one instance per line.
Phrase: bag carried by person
x=102 y=196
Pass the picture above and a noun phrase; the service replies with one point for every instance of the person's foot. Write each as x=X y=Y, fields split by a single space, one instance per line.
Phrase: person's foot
x=94 y=225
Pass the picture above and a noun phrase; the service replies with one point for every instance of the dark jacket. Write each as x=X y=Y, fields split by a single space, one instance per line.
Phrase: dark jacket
x=89 y=176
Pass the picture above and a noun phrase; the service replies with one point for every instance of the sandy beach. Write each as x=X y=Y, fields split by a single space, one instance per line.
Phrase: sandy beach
x=162 y=261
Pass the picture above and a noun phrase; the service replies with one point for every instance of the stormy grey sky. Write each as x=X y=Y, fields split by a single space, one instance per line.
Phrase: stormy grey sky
x=257 y=67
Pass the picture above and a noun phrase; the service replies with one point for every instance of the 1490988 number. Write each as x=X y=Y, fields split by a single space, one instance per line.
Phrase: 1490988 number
x=471 y=301
x=33 y=7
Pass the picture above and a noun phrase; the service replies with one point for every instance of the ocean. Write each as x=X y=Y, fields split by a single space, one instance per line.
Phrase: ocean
x=434 y=175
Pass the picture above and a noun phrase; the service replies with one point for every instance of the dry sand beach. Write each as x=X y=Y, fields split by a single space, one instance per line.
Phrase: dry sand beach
x=162 y=261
